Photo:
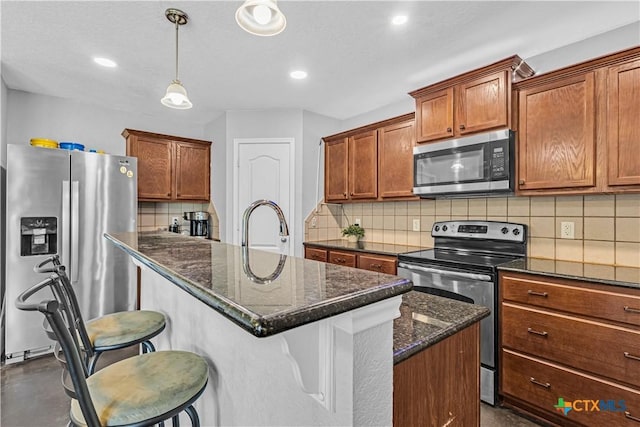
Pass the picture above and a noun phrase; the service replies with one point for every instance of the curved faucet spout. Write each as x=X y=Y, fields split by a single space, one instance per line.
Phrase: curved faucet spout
x=284 y=228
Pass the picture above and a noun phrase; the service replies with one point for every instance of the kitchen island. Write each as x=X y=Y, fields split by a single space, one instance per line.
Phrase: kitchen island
x=289 y=341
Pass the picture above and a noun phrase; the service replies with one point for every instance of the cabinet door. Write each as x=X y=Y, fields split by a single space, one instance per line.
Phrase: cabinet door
x=557 y=135
x=378 y=263
x=363 y=165
x=335 y=171
x=346 y=259
x=315 y=254
x=395 y=159
x=193 y=167
x=623 y=132
x=434 y=116
x=482 y=104
x=154 y=167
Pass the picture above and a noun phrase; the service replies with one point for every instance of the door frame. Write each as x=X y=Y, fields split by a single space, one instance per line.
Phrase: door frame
x=236 y=177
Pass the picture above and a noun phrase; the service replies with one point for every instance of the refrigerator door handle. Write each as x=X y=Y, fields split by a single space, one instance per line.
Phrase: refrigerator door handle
x=63 y=233
x=75 y=228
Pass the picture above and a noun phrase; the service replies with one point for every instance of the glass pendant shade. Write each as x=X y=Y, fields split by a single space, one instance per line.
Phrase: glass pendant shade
x=261 y=17
x=176 y=97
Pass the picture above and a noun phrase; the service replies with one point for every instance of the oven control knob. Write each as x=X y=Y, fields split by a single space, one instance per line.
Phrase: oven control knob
x=445 y=228
x=516 y=231
x=437 y=228
x=504 y=230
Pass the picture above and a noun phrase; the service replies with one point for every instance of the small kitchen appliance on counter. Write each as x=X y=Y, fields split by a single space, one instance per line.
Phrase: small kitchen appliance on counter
x=463 y=266
x=199 y=223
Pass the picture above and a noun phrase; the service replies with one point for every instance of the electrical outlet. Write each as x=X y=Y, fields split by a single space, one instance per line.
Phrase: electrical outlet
x=358 y=223
x=314 y=221
x=567 y=230
x=416 y=225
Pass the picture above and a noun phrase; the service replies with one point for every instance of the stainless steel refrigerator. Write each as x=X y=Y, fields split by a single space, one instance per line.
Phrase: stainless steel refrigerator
x=63 y=202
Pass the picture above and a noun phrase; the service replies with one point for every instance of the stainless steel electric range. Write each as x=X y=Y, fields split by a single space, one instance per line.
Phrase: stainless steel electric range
x=463 y=266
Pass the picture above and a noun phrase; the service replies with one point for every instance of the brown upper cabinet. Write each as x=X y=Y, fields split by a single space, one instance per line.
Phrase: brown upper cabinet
x=395 y=159
x=473 y=102
x=577 y=128
x=373 y=162
x=170 y=168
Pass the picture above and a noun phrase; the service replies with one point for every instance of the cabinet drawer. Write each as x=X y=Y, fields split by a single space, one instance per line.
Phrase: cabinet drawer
x=342 y=258
x=315 y=254
x=606 y=350
x=379 y=263
x=542 y=384
x=603 y=302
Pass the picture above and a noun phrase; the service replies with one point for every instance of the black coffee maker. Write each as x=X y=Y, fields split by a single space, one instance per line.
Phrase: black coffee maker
x=198 y=223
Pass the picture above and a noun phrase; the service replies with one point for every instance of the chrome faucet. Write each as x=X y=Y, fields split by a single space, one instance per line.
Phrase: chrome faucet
x=284 y=229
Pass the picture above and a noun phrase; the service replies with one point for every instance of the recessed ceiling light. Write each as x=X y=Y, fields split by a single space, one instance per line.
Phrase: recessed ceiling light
x=399 y=20
x=298 y=74
x=105 y=62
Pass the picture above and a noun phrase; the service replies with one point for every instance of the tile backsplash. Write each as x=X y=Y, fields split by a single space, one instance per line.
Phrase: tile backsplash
x=157 y=216
x=606 y=227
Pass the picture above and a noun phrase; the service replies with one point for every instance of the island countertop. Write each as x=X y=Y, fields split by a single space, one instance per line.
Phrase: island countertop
x=229 y=280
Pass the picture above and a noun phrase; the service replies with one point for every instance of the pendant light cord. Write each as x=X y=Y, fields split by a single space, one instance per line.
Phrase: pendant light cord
x=177 y=25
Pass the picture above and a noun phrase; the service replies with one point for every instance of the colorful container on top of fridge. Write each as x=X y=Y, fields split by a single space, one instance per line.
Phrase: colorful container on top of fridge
x=71 y=146
x=43 y=142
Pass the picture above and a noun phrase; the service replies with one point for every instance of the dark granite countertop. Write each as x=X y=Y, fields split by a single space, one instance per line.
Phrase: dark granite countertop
x=426 y=319
x=218 y=275
x=628 y=277
x=364 y=246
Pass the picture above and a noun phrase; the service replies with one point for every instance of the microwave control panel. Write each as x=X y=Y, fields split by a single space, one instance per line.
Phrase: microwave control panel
x=499 y=159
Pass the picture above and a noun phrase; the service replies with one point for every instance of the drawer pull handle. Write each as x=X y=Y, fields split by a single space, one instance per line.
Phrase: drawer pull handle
x=375 y=266
x=631 y=309
x=631 y=356
x=544 y=385
x=533 y=331
x=537 y=294
x=627 y=414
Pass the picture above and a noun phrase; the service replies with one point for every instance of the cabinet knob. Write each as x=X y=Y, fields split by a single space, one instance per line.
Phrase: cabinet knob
x=462 y=127
x=168 y=194
x=521 y=182
x=352 y=193
x=448 y=129
x=344 y=194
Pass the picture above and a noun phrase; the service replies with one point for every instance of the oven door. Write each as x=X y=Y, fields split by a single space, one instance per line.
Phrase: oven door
x=480 y=163
x=470 y=287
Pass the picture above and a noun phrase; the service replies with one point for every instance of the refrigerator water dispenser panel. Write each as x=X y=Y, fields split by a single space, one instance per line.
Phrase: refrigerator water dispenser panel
x=38 y=236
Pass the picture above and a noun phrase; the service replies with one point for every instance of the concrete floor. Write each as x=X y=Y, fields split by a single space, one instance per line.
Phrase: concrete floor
x=32 y=395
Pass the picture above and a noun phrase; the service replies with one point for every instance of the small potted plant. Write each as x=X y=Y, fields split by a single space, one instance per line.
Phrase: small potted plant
x=353 y=232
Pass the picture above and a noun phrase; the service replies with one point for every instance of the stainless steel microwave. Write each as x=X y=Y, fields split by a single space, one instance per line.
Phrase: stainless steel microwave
x=477 y=165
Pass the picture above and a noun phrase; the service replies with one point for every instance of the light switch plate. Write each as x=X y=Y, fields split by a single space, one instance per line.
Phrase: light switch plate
x=416 y=225
x=358 y=222
x=567 y=230
x=314 y=221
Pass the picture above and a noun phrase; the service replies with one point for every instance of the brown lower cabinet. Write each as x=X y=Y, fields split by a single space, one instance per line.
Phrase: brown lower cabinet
x=366 y=261
x=570 y=342
x=440 y=386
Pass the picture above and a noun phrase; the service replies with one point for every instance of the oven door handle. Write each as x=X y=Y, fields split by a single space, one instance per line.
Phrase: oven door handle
x=471 y=276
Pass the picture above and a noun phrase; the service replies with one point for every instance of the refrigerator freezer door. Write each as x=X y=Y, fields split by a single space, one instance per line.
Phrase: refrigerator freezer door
x=103 y=199
x=37 y=181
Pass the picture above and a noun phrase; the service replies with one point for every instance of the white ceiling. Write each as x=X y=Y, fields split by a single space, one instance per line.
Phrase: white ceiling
x=356 y=60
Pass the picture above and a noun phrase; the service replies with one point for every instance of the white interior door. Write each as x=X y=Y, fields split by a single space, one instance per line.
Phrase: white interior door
x=264 y=170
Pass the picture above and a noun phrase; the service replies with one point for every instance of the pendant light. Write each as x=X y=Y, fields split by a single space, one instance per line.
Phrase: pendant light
x=261 y=17
x=176 y=96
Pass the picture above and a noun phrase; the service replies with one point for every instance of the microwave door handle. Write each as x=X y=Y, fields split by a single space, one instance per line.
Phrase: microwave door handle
x=460 y=274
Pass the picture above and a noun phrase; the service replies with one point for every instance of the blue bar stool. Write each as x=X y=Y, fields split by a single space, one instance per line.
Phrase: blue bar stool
x=140 y=391
x=110 y=332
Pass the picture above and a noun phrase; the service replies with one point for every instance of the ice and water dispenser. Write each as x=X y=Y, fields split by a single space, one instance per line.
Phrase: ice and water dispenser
x=38 y=236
